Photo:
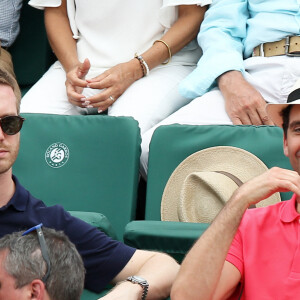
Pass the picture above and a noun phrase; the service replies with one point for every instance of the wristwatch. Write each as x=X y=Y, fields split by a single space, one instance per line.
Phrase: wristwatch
x=142 y=282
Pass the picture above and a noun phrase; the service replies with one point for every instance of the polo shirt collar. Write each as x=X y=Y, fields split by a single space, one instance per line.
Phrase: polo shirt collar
x=20 y=198
x=289 y=213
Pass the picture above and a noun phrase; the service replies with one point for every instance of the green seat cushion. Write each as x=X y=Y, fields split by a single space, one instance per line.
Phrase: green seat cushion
x=174 y=238
x=97 y=220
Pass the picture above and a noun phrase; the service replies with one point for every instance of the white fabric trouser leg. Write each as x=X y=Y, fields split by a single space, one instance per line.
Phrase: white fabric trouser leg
x=273 y=77
x=148 y=100
x=49 y=94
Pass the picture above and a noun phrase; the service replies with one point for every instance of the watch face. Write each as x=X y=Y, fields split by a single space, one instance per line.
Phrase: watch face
x=138 y=280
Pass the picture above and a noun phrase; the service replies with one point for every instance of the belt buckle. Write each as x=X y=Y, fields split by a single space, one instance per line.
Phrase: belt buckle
x=261 y=50
x=287 y=47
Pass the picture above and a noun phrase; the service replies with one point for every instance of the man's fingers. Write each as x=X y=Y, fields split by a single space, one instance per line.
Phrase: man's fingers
x=242 y=119
x=236 y=121
x=265 y=119
x=255 y=118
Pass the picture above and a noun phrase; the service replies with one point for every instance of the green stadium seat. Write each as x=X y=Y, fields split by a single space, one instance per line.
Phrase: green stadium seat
x=170 y=145
x=85 y=163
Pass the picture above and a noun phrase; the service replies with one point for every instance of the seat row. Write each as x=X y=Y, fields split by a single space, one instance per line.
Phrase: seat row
x=90 y=165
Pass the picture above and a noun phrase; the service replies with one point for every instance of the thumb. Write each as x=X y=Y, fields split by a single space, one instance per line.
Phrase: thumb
x=83 y=68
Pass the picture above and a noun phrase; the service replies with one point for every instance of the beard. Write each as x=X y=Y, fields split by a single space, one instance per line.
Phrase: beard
x=7 y=162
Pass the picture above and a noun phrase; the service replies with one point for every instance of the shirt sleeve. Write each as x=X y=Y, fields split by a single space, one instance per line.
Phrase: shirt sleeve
x=41 y=4
x=221 y=39
x=103 y=257
x=235 y=253
x=168 y=13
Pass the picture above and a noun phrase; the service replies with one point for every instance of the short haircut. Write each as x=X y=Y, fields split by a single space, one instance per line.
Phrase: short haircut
x=6 y=78
x=24 y=262
x=285 y=113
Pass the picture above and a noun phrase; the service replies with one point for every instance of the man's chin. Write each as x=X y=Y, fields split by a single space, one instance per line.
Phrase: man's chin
x=5 y=167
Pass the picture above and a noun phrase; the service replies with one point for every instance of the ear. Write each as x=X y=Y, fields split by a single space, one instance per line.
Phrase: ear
x=38 y=290
x=285 y=146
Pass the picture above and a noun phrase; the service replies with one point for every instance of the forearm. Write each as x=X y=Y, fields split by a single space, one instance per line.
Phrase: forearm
x=184 y=30
x=60 y=36
x=158 y=269
x=160 y=280
x=201 y=269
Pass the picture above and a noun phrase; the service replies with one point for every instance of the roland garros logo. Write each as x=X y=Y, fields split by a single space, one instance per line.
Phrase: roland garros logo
x=57 y=155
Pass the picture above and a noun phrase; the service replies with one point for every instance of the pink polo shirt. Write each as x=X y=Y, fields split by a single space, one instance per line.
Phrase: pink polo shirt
x=266 y=251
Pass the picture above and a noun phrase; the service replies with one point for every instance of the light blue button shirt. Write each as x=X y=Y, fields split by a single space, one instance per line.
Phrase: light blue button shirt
x=231 y=30
x=9 y=21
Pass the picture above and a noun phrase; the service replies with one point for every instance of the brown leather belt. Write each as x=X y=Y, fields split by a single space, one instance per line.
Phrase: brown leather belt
x=289 y=46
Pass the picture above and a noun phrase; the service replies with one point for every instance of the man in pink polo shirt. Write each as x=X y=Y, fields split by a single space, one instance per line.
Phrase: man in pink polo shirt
x=253 y=253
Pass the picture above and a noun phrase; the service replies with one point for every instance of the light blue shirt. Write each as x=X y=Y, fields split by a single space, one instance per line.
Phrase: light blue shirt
x=9 y=21
x=231 y=30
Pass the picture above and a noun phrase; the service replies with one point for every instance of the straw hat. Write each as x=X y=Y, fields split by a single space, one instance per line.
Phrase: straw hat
x=274 y=109
x=200 y=186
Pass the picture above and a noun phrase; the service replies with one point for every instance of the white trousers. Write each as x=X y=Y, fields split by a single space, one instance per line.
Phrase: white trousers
x=148 y=100
x=273 y=77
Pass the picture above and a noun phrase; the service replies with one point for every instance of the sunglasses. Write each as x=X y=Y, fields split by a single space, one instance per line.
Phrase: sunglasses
x=43 y=246
x=11 y=124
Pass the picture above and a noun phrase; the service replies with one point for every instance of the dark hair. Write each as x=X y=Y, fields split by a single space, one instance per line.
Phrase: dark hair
x=25 y=262
x=285 y=113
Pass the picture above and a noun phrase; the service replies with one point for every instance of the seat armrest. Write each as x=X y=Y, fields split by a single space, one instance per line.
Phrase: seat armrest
x=174 y=238
x=97 y=220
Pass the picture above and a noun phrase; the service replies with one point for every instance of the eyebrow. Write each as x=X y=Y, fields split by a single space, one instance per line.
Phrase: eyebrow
x=294 y=124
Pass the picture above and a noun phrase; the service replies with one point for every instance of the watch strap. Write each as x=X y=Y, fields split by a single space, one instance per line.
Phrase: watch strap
x=142 y=282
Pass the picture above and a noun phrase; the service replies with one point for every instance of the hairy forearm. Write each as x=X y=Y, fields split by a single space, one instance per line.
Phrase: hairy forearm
x=158 y=269
x=180 y=34
x=60 y=36
x=201 y=269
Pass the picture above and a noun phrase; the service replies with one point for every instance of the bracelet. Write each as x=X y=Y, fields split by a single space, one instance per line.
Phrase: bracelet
x=143 y=63
x=143 y=69
x=169 y=50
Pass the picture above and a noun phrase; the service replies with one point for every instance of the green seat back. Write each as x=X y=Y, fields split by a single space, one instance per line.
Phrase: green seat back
x=31 y=52
x=84 y=163
x=171 y=144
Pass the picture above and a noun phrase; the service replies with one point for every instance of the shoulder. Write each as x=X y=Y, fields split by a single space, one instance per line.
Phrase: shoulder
x=261 y=217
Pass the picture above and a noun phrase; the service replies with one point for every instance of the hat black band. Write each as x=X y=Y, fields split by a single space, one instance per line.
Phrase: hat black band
x=294 y=95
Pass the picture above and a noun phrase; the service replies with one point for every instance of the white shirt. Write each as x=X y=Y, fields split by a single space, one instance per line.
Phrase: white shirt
x=112 y=31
